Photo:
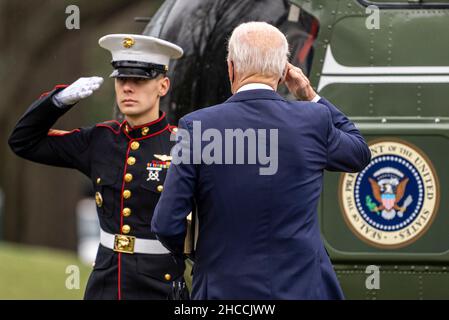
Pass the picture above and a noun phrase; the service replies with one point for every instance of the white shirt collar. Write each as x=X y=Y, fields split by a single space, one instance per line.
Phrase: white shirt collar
x=254 y=86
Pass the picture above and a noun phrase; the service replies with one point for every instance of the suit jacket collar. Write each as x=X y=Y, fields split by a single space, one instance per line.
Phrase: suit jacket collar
x=258 y=94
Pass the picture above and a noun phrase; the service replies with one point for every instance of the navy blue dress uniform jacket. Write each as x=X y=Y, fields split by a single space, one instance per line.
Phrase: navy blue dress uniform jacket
x=259 y=235
x=103 y=153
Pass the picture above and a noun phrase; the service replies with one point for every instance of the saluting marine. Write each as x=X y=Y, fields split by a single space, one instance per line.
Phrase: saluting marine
x=127 y=163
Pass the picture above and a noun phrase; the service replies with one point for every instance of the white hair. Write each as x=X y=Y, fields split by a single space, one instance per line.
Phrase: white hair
x=258 y=48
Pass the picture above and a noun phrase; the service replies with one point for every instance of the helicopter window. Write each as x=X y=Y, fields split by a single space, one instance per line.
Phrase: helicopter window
x=202 y=29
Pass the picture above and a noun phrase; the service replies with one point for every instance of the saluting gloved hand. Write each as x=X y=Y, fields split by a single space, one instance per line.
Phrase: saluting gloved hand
x=80 y=89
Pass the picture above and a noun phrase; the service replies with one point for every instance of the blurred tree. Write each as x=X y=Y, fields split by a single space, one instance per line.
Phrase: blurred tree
x=38 y=51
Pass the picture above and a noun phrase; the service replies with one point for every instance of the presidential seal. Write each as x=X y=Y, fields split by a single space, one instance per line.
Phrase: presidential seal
x=393 y=201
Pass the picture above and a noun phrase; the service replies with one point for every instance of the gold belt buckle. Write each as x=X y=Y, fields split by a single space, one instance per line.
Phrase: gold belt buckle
x=124 y=244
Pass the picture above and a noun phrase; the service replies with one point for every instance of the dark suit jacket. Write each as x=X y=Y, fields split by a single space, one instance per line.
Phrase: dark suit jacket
x=259 y=235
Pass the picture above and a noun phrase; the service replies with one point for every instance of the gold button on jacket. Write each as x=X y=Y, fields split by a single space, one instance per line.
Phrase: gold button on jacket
x=126 y=229
x=128 y=177
x=126 y=194
x=131 y=161
x=145 y=131
x=126 y=212
x=135 y=145
x=98 y=199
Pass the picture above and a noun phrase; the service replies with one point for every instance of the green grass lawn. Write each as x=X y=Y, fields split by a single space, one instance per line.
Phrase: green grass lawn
x=38 y=273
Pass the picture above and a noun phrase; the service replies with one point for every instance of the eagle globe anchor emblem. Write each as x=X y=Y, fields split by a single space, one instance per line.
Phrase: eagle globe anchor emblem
x=388 y=189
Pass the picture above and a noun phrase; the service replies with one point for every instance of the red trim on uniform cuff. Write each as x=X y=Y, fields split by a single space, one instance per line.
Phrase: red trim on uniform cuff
x=44 y=94
x=58 y=86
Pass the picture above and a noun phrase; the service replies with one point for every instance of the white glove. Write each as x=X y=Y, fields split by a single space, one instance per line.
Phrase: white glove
x=80 y=89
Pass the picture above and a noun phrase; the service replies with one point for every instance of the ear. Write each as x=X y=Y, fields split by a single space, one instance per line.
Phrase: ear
x=231 y=71
x=164 y=86
x=284 y=74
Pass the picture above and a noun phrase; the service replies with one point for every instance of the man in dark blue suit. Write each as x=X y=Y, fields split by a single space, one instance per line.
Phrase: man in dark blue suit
x=259 y=235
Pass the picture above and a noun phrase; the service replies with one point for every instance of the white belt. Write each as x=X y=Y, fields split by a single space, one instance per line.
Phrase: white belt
x=129 y=244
